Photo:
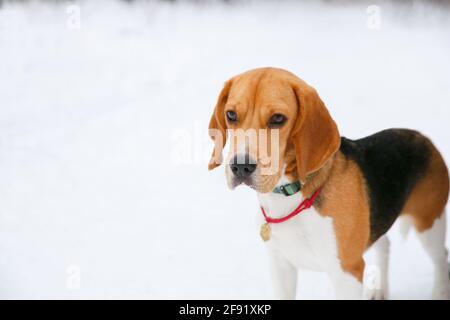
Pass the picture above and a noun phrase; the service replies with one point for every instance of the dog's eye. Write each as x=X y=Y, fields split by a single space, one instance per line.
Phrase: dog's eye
x=231 y=116
x=277 y=120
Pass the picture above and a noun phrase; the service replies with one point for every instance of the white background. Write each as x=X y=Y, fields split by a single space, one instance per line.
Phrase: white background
x=93 y=202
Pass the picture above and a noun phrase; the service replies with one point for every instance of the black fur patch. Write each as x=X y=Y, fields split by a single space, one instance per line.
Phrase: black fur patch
x=392 y=162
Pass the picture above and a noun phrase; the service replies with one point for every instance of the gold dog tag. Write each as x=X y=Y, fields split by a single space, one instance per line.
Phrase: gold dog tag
x=265 y=232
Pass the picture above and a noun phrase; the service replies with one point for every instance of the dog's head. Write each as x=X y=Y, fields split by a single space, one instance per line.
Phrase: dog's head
x=276 y=124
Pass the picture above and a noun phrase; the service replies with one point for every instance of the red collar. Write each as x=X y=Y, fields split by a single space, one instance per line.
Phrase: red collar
x=306 y=204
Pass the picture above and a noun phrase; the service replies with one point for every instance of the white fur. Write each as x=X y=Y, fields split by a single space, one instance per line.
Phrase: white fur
x=308 y=241
x=404 y=222
x=376 y=286
x=305 y=241
x=433 y=241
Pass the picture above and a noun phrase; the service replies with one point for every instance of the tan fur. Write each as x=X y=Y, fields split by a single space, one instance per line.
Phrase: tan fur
x=429 y=197
x=344 y=198
x=217 y=122
x=315 y=136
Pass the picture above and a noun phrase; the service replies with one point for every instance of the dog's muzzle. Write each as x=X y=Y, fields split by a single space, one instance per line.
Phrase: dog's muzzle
x=242 y=166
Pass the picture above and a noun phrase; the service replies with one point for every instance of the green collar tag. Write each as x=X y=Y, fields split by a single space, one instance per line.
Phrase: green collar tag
x=289 y=189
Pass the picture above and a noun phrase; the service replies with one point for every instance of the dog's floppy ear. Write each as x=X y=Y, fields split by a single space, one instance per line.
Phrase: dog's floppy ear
x=315 y=135
x=217 y=127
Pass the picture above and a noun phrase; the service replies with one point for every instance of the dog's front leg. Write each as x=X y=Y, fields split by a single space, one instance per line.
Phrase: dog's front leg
x=346 y=285
x=284 y=276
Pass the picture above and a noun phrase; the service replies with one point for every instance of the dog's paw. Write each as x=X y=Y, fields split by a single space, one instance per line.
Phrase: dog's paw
x=441 y=292
x=375 y=294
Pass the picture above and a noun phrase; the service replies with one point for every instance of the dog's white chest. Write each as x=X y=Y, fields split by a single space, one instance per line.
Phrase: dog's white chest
x=307 y=240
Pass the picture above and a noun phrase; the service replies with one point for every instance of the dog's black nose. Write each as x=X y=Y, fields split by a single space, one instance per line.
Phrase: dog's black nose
x=242 y=166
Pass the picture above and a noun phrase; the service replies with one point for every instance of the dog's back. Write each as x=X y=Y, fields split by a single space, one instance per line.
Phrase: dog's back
x=405 y=174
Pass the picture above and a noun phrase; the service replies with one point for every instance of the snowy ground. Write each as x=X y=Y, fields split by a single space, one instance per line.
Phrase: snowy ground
x=91 y=120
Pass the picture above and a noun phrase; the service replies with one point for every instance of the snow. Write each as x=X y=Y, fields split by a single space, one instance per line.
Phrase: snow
x=95 y=201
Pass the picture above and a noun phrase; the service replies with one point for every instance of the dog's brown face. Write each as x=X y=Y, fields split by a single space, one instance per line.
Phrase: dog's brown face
x=276 y=124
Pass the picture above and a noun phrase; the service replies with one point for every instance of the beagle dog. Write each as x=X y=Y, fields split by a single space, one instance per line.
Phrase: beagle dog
x=325 y=199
